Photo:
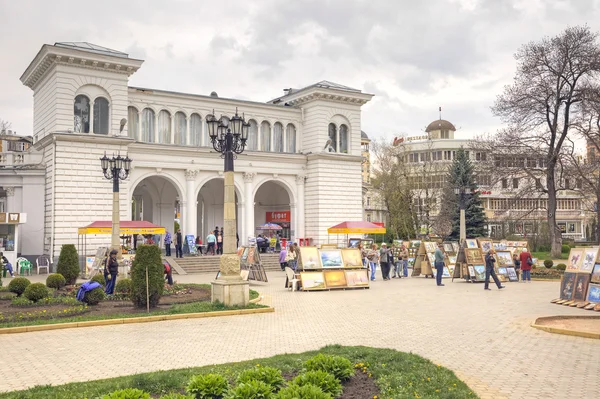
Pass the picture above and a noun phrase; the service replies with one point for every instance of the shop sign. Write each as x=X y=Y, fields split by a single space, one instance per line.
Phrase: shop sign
x=12 y=218
x=485 y=192
x=278 y=217
x=380 y=224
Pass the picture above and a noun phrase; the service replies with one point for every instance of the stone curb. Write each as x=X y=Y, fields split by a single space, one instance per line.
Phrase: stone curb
x=564 y=331
x=93 y=323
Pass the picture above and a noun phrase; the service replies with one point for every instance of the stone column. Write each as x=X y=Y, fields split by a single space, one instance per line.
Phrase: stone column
x=300 y=206
x=91 y=117
x=271 y=136
x=139 y=132
x=156 y=132
x=173 y=130
x=11 y=205
x=249 y=206
x=187 y=131
x=190 y=199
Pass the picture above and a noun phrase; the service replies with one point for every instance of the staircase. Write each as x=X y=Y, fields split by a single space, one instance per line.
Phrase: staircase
x=210 y=264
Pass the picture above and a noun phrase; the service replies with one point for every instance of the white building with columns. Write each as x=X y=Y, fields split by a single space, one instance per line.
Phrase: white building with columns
x=287 y=174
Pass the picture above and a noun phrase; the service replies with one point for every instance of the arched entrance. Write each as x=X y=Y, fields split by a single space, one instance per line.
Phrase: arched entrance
x=272 y=203
x=156 y=199
x=210 y=207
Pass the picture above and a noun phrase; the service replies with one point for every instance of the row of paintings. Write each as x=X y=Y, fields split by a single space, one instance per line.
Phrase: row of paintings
x=477 y=273
x=486 y=245
x=577 y=287
x=249 y=255
x=334 y=279
x=329 y=258
x=582 y=259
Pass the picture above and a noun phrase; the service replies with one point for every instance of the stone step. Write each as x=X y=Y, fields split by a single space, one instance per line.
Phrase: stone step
x=210 y=264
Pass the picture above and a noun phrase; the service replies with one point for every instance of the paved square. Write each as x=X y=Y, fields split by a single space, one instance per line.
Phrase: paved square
x=484 y=336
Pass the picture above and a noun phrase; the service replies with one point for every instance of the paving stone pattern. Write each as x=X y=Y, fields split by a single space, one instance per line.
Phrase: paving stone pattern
x=484 y=336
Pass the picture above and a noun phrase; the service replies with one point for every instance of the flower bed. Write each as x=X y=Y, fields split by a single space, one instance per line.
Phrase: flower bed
x=548 y=274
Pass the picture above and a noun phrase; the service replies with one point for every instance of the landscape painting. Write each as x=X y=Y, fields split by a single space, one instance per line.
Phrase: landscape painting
x=312 y=281
x=331 y=258
x=504 y=258
x=352 y=257
x=479 y=272
x=594 y=293
x=357 y=278
x=309 y=257
x=335 y=278
x=596 y=274
x=471 y=243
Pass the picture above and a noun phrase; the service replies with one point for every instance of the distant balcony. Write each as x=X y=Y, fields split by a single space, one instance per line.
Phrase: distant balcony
x=19 y=158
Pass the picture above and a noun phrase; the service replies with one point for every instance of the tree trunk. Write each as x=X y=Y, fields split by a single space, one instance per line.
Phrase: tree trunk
x=597 y=232
x=554 y=230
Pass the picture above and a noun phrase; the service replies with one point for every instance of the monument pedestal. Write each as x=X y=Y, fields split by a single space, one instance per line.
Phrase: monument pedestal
x=229 y=288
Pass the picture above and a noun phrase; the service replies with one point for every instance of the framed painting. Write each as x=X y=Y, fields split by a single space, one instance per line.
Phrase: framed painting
x=479 y=272
x=431 y=258
x=331 y=258
x=335 y=279
x=312 y=281
x=523 y=244
x=512 y=274
x=329 y=246
x=567 y=285
x=430 y=246
x=581 y=286
x=352 y=257
x=456 y=247
x=309 y=257
x=502 y=271
x=240 y=251
x=593 y=293
x=471 y=272
x=575 y=259
x=357 y=278
x=474 y=256
x=452 y=260
x=451 y=270
x=485 y=246
x=446 y=272
x=501 y=277
x=472 y=244
x=448 y=248
x=504 y=258
x=589 y=259
x=596 y=274
x=251 y=255
x=354 y=242
x=245 y=253
x=499 y=246
x=415 y=243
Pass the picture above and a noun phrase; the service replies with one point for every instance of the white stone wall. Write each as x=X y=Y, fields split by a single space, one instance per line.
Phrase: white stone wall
x=44 y=106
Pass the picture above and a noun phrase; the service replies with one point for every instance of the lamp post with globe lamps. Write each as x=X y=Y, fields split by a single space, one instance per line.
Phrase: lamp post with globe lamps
x=115 y=169
x=228 y=137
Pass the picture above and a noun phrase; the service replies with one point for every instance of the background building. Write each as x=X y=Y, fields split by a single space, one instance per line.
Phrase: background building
x=374 y=208
x=81 y=97
x=510 y=208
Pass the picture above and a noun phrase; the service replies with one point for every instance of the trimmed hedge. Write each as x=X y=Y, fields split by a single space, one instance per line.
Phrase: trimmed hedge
x=147 y=257
x=548 y=263
x=68 y=263
x=56 y=281
x=99 y=278
x=123 y=286
x=18 y=285
x=94 y=296
x=561 y=266
x=36 y=291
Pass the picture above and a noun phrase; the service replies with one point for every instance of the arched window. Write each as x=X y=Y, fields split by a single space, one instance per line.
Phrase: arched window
x=278 y=137
x=265 y=136
x=133 y=122
x=148 y=125
x=81 y=113
x=290 y=138
x=344 y=139
x=180 y=128
x=195 y=129
x=333 y=136
x=252 y=136
x=164 y=127
x=101 y=115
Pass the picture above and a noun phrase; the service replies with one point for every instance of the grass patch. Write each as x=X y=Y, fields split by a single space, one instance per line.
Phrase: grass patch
x=397 y=374
x=542 y=256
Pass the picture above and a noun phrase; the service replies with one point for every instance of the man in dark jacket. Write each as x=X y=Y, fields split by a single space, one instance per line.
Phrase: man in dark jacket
x=178 y=244
x=489 y=270
x=111 y=269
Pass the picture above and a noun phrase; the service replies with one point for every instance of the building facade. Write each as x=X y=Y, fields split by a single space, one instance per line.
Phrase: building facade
x=374 y=208
x=302 y=162
x=508 y=208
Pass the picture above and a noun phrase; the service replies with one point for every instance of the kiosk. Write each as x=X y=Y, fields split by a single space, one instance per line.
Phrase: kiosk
x=9 y=235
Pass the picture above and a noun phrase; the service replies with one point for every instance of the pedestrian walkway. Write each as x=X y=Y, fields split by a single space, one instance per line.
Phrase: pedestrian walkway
x=484 y=336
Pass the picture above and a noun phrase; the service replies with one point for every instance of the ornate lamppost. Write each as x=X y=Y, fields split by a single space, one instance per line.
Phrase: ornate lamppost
x=229 y=137
x=115 y=169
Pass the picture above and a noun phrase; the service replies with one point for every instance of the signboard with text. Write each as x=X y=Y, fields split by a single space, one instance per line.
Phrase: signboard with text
x=278 y=217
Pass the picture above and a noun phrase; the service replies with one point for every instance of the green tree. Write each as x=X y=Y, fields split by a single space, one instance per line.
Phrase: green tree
x=68 y=263
x=461 y=175
x=147 y=257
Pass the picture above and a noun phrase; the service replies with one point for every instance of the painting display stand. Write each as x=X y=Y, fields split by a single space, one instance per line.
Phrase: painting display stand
x=329 y=269
x=580 y=284
x=251 y=267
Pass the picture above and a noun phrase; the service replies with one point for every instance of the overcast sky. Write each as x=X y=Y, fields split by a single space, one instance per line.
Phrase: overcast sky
x=413 y=55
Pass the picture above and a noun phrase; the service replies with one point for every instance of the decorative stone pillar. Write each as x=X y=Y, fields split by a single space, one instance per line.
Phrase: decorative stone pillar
x=156 y=130
x=11 y=206
x=173 y=131
x=190 y=194
x=91 y=117
x=300 y=206
x=249 y=206
x=187 y=131
x=139 y=126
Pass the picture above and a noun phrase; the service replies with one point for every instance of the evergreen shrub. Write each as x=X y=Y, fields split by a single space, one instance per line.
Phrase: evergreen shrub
x=548 y=263
x=18 y=285
x=36 y=291
x=94 y=296
x=147 y=256
x=561 y=266
x=99 y=278
x=56 y=281
x=68 y=263
x=123 y=286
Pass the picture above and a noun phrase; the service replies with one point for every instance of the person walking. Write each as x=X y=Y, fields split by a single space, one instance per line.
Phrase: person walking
x=168 y=241
x=178 y=244
x=517 y=263
x=211 y=240
x=526 y=263
x=282 y=258
x=489 y=270
x=111 y=269
x=439 y=265
x=373 y=257
x=384 y=261
x=220 y=243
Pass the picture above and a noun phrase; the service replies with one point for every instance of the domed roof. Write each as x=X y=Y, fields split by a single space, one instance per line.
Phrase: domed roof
x=363 y=135
x=440 y=124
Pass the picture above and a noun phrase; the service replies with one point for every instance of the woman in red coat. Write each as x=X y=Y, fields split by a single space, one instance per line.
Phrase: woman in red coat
x=526 y=262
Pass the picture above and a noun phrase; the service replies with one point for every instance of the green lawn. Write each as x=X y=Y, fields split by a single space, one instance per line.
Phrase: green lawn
x=397 y=374
x=542 y=256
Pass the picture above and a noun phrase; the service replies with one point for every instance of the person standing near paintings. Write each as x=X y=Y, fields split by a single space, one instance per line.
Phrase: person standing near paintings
x=526 y=263
x=438 y=256
x=373 y=257
x=178 y=244
x=490 y=260
x=404 y=263
x=517 y=263
x=291 y=257
x=384 y=261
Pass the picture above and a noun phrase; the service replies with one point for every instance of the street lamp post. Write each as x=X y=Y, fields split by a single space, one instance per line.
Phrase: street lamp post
x=228 y=137
x=115 y=169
